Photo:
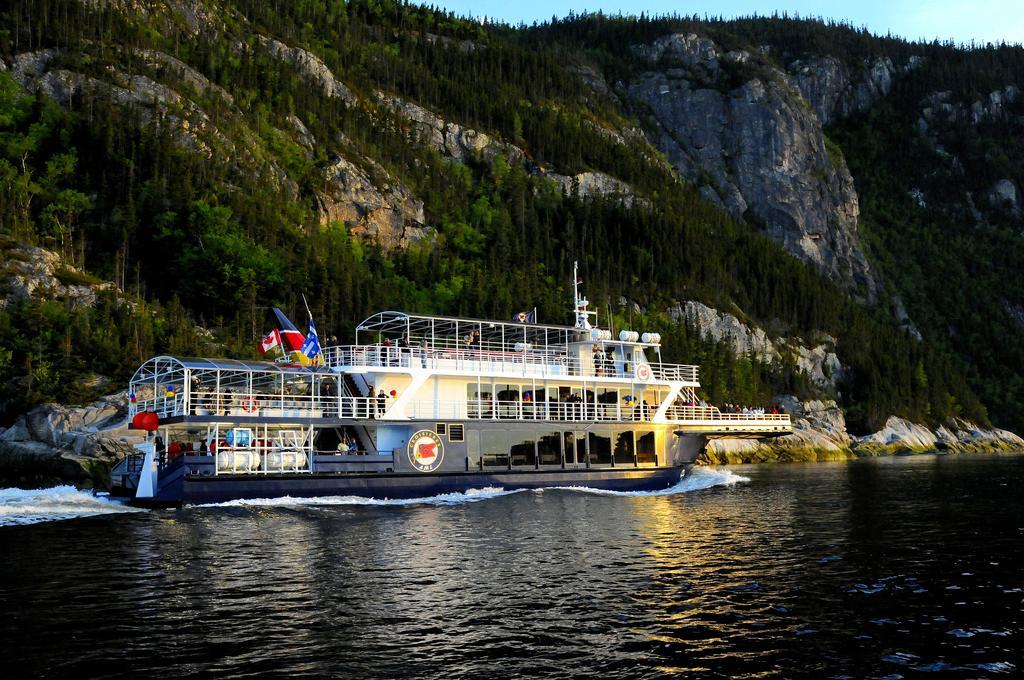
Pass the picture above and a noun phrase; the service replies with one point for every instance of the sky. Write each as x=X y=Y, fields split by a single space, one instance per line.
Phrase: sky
x=981 y=21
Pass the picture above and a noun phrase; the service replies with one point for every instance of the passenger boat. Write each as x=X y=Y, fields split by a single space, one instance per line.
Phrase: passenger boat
x=424 y=405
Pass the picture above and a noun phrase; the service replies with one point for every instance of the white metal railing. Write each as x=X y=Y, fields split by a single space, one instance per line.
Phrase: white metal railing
x=263 y=404
x=519 y=410
x=568 y=411
x=691 y=413
x=527 y=363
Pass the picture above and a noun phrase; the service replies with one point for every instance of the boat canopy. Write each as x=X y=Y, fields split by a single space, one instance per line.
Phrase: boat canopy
x=161 y=365
x=440 y=331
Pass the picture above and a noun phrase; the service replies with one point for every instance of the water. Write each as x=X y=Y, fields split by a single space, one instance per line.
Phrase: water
x=898 y=567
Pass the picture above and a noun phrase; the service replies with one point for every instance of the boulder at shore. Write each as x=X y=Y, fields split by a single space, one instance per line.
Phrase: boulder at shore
x=819 y=434
x=54 y=443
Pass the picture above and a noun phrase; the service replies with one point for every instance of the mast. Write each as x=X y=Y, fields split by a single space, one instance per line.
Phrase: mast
x=580 y=312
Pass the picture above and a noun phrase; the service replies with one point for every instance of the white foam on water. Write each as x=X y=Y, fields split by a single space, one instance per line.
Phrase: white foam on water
x=31 y=506
x=459 y=498
x=698 y=478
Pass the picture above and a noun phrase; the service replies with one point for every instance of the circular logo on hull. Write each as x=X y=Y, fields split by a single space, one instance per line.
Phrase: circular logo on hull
x=426 y=451
x=643 y=372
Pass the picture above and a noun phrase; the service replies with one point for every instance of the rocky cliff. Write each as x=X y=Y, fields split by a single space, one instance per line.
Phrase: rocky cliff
x=819 y=426
x=756 y=148
x=53 y=442
x=818 y=360
x=835 y=90
x=819 y=434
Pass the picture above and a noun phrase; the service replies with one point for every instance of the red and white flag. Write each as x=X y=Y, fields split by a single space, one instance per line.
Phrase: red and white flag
x=268 y=343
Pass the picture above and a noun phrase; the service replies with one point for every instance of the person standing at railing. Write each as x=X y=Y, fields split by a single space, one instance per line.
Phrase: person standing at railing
x=405 y=350
x=371 y=402
x=424 y=348
x=598 y=360
x=382 y=397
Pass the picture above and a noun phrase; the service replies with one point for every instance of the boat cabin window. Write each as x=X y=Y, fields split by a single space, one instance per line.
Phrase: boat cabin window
x=600 y=447
x=549 y=448
x=494 y=448
x=522 y=449
x=645 y=450
x=624 y=448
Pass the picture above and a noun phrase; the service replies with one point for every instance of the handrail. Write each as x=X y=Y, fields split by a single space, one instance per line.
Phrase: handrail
x=689 y=413
x=266 y=404
x=524 y=410
x=527 y=362
x=575 y=412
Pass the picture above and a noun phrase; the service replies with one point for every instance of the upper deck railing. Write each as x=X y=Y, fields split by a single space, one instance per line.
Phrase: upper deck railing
x=275 y=405
x=525 y=362
x=488 y=409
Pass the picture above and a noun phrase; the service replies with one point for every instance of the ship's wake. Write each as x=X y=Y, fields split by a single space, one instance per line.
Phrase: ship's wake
x=699 y=478
x=455 y=498
x=30 y=506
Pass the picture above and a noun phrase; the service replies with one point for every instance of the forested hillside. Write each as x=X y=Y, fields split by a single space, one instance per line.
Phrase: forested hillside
x=213 y=159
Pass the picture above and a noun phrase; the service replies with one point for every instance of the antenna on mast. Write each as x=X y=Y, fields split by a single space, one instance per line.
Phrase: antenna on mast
x=580 y=312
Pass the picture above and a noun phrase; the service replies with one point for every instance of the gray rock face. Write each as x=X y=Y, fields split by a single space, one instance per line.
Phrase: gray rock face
x=386 y=213
x=834 y=90
x=31 y=272
x=819 y=362
x=186 y=73
x=450 y=139
x=1004 y=194
x=310 y=66
x=940 y=109
x=462 y=144
x=899 y=435
x=757 y=151
x=155 y=103
x=71 y=444
x=588 y=184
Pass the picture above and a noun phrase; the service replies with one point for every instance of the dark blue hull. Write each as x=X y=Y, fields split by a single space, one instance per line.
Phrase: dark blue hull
x=217 y=489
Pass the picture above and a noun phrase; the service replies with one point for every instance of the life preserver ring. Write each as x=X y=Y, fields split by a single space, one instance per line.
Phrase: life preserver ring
x=250 y=405
x=643 y=372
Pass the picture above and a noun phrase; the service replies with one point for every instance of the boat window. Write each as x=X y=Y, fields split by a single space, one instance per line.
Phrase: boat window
x=494 y=448
x=624 y=448
x=508 y=392
x=570 y=448
x=522 y=448
x=600 y=447
x=645 y=451
x=549 y=448
x=473 y=450
x=478 y=399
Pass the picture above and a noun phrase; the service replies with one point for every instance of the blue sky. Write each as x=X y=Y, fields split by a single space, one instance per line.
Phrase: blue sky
x=981 y=21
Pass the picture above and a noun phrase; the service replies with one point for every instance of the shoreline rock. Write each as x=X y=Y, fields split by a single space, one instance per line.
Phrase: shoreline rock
x=819 y=435
x=55 y=443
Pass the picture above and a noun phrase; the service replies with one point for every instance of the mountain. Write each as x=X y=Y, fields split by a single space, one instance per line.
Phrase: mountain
x=171 y=168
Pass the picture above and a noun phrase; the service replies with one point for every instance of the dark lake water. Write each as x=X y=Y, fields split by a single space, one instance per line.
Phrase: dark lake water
x=899 y=567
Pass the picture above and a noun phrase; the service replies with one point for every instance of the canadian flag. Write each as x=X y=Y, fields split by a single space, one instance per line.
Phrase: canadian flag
x=268 y=343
